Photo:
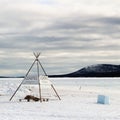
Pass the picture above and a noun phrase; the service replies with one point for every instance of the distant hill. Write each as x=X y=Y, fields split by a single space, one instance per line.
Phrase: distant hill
x=11 y=77
x=99 y=70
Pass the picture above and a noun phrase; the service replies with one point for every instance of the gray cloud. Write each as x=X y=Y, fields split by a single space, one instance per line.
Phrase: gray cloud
x=109 y=20
x=67 y=41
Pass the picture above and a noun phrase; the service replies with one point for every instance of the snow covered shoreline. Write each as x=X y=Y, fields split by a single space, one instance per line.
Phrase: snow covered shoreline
x=76 y=104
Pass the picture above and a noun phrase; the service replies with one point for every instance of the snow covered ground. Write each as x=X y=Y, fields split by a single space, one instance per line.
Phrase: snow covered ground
x=79 y=100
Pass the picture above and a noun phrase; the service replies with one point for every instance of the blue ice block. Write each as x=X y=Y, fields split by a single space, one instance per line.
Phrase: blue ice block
x=102 y=99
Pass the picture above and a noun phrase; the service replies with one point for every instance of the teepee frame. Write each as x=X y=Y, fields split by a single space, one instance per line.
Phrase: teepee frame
x=38 y=63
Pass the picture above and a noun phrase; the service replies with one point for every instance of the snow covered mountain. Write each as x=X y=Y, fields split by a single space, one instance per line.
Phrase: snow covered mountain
x=100 y=70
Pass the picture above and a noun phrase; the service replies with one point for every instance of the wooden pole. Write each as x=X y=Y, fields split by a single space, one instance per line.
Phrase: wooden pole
x=36 y=55
x=42 y=67
x=39 y=82
x=55 y=92
x=22 y=81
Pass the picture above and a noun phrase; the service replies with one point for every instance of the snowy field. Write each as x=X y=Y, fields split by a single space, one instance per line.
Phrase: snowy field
x=78 y=100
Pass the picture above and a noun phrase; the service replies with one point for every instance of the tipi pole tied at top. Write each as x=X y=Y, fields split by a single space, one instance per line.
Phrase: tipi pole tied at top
x=38 y=63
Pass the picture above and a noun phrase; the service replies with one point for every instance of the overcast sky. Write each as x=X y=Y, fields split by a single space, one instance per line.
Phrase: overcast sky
x=70 y=34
